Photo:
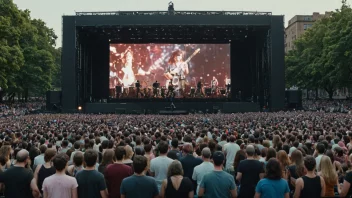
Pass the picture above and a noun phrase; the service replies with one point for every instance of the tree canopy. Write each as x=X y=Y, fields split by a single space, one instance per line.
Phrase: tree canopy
x=29 y=61
x=322 y=57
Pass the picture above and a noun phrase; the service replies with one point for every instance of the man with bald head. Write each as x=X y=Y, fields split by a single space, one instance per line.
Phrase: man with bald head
x=249 y=172
x=203 y=168
x=17 y=179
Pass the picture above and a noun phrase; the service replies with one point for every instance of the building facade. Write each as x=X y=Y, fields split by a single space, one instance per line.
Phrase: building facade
x=298 y=25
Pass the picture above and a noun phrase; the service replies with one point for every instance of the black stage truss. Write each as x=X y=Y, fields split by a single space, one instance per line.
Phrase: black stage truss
x=255 y=35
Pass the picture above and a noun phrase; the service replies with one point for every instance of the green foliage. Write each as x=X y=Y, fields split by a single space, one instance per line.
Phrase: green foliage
x=29 y=61
x=322 y=57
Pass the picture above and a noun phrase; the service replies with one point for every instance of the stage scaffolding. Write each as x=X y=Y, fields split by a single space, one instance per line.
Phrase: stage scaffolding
x=148 y=13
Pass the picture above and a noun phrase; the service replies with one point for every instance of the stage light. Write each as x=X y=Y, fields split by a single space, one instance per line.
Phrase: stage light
x=79 y=108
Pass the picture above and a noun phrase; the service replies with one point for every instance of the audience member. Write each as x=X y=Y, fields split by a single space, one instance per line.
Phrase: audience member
x=91 y=183
x=18 y=179
x=176 y=186
x=250 y=171
x=230 y=149
x=108 y=158
x=147 y=187
x=159 y=165
x=205 y=167
x=175 y=152
x=189 y=162
x=310 y=185
x=272 y=185
x=115 y=173
x=45 y=170
x=60 y=185
x=218 y=183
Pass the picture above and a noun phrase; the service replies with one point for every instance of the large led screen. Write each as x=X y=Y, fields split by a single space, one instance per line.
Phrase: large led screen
x=186 y=64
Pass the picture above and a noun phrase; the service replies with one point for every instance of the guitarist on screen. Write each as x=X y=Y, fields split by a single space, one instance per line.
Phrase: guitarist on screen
x=177 y=70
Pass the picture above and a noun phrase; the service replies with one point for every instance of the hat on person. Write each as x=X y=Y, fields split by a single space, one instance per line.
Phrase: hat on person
x=218 y=157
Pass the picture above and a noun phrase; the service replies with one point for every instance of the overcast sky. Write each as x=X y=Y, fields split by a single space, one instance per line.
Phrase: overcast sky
x=51 y=11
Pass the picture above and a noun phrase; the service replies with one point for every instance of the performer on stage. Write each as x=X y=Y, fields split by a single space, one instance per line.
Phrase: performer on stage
x=113 y=74
x=214 y=85
x=176 y=71
x=155 y=89
x=227 y=84
x=170 y=90
x=199 y=91
x=138 y=87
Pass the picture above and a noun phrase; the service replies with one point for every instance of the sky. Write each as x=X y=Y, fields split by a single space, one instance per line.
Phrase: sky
x=50 y=11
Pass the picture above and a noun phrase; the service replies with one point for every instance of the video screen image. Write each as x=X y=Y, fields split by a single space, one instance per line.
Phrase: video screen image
x=169 y=70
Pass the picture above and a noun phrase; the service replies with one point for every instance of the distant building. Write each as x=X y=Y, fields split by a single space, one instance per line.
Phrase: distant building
x=298 y=25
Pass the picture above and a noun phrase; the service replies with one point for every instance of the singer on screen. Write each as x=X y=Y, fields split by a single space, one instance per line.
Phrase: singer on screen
x=128 y=77
x=177 y=70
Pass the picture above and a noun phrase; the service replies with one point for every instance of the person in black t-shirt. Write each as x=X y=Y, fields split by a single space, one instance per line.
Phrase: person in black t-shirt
x=310 y=185
x=17 y=179
x=174 y=153
x=147 y=187
x=91 y=183
x=189 y=162
x=250 y=171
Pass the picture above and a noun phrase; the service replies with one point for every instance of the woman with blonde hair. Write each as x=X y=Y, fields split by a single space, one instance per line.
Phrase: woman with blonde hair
x=328 y=172
x=176 y=185
x=128 y=157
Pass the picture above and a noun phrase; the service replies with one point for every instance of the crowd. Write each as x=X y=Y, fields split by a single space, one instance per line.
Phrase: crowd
x=17 y=109
x=342 y=106
x=282 y=154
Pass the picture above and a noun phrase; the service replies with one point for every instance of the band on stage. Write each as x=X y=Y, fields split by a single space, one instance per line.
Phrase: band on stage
x=178 y=84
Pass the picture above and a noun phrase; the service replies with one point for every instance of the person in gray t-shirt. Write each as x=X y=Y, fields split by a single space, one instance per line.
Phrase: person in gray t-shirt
x=159 y=165
x=218 y=183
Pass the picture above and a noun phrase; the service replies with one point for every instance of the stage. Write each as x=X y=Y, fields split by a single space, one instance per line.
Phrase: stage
x=165 y=107
x=202 y=53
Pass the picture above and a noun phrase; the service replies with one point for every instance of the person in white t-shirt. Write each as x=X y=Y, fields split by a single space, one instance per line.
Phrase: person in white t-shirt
x=230 y=149
x=60 y=185
x=159 y=165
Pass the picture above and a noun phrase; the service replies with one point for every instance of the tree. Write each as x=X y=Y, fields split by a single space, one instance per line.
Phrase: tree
x=39 y=53
x=322 y=56
x=56 y=78
x=11 y=57
x=28 y=58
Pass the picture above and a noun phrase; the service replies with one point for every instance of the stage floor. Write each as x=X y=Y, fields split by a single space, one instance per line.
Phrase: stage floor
x=161 y=107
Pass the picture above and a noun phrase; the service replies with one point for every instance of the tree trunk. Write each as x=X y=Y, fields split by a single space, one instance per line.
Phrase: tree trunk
x=307 y=94
x=1 y=95
x=316 y=94
x=331 y=94
x=26 y=95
